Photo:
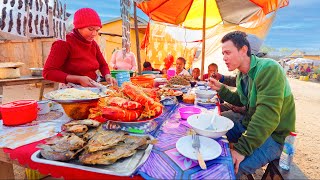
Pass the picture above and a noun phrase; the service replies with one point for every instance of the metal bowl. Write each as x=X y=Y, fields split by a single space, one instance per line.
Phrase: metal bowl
x=36 y=71
x=50 y=96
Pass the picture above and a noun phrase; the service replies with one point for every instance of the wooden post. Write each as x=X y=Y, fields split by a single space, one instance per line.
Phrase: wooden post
x=137 y=37
x=203 y=37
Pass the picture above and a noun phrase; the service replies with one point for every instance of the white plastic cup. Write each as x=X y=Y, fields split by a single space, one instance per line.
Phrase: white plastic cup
x=44 y=107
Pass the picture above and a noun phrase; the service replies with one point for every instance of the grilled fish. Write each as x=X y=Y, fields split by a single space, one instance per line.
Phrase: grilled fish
x=105 y=139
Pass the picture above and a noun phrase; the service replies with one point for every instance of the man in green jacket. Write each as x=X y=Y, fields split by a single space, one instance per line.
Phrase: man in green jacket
x=262 y=87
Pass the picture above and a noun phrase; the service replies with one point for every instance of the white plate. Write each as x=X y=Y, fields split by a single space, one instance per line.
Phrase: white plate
x=209 y=148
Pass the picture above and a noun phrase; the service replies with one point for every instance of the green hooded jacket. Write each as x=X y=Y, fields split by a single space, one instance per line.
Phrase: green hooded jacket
x=270 y=105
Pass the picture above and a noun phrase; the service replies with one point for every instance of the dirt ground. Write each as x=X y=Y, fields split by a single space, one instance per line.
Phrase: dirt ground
x=307 y=100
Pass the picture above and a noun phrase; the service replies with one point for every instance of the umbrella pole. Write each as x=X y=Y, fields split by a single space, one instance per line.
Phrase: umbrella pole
x=203 y=37
x=137 y=37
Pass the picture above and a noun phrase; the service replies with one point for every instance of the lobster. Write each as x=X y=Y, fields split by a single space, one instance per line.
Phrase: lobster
x=121 y=102
x=136 y=94
x=119 y=114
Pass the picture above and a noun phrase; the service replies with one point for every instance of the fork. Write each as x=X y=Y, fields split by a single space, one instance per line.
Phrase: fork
x=196 y=146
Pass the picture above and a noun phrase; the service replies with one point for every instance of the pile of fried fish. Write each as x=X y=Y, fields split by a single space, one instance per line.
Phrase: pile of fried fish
x=88 y=141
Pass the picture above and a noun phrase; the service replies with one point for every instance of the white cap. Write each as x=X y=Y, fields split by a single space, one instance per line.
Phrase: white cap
x=255 y=43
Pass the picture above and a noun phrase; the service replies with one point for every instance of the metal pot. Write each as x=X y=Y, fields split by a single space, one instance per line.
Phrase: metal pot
x=36 y=71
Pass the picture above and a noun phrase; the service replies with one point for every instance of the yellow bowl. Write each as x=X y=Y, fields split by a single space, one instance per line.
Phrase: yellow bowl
x=79 y=110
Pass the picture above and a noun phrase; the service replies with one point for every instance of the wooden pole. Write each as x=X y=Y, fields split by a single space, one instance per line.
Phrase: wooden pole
x=203 y=37
x=137 y=37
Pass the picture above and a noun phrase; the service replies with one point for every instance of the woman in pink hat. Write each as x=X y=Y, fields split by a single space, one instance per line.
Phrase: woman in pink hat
x=77 y=59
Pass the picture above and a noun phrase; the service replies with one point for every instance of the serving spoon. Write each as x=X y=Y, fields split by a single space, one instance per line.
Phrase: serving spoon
x=215 y=112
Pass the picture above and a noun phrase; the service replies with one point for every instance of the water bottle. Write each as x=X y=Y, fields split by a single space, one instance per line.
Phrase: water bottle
x=288 y=151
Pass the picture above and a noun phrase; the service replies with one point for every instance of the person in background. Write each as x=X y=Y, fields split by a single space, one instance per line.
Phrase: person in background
x=77 y=59
x=212 y=68
x=180 y=64
x=148 y=67
x=124 y=59
x=196 y=74
x=262 y=86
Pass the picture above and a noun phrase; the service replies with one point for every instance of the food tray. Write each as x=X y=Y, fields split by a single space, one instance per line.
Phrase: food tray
x=123 y=167
x=50 y=95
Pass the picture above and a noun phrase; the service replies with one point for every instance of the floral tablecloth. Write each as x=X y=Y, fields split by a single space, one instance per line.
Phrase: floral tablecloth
x=165 y=162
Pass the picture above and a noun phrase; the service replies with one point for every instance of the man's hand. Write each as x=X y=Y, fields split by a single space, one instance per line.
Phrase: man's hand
x=237 y=159
x=214 y=84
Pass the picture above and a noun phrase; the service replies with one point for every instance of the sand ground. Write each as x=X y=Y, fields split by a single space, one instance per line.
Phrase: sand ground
x=307 y=100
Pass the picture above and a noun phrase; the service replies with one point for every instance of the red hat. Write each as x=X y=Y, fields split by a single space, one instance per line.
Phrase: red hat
x=86 y=17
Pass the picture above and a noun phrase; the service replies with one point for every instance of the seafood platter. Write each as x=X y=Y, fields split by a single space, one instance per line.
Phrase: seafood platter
x=125 y=108
x=87 y=145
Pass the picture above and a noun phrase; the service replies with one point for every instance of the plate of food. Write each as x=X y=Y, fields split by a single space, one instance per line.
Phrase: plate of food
x=72 y=95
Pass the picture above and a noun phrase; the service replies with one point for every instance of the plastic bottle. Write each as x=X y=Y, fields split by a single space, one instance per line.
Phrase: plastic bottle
x=288 y=151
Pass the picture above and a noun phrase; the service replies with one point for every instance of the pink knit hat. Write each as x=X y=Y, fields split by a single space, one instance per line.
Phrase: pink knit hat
x=86 y=17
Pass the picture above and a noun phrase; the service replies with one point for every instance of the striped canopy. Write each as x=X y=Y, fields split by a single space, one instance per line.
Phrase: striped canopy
x=189 y=13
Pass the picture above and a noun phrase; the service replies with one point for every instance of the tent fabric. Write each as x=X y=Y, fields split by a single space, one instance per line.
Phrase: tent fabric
x=162 y=44
x=189 y=13
x=191 y=39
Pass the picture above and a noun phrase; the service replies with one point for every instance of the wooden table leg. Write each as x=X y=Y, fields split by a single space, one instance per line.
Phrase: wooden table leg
x=41 y=90
x=6 y=170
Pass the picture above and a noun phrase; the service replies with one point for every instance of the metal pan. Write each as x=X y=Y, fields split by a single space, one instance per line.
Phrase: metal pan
x=123 y=167
x=50 y=96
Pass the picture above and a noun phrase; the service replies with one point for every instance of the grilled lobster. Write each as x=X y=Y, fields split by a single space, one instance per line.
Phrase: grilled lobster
x=136 y=94
x=119 y=114
x=121 y=102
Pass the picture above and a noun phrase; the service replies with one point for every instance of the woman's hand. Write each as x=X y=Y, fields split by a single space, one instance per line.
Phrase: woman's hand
x=111 y=80
x=85 y=81
x=214 y=84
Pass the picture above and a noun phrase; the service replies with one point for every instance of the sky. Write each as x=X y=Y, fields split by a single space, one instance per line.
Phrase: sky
x=296 y=26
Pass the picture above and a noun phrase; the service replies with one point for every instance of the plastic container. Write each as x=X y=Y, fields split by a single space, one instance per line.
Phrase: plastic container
x=143 y=81
x=115 y=72
x=44 y=106
x=288 y=151
x=171 y=73
x=185 y=112
x=19 y=112
x=122 y=77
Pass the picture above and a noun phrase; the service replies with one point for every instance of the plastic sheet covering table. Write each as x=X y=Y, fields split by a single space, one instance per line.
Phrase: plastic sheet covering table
x=165 y=162
x=22 y=156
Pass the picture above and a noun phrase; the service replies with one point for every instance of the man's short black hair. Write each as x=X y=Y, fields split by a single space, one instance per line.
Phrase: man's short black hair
x=146 y=64
x=239 y=40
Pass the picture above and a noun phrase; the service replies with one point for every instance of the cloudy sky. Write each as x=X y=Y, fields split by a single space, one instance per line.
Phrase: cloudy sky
x=296 y=26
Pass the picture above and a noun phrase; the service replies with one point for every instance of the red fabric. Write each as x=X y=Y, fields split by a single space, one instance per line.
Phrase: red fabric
x=145 y=42
x=23 y=156
x=168 y=61
x=86 y=17
x=75 y=56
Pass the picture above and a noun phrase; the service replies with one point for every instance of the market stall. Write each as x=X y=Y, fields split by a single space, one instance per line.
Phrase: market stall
x=162 y=158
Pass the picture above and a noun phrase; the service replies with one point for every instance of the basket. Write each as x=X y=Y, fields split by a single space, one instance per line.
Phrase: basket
x=143 y=81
